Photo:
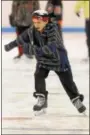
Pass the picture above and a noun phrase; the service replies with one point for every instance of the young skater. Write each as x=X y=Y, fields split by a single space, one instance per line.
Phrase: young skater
x=50 y=55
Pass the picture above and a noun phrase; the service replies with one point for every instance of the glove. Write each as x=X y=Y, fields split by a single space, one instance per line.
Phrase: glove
x=10 y=46
x=6 y=48
x=78 y=14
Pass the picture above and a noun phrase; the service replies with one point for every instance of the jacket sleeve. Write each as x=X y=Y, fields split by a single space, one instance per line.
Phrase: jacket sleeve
x=22 y=40
x=54 y=42
x=78 y=6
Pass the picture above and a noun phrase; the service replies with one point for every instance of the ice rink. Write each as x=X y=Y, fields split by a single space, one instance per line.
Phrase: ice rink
x=18 y=87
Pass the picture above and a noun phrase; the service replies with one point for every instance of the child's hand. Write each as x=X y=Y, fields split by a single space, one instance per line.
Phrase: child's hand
x=78 y=14
x=7 y=48
x=10 y=46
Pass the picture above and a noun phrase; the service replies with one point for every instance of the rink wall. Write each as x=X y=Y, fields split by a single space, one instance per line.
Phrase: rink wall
x=71 y=23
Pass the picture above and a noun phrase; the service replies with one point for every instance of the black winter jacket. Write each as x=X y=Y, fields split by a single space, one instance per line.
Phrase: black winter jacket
x=48 y=47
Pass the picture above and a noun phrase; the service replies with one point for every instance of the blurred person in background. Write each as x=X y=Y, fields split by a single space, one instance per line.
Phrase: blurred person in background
x=55 y=10
x=20 y=18
x=85 y=5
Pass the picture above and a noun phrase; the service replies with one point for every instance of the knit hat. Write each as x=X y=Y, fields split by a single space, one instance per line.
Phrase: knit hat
x=40 y=15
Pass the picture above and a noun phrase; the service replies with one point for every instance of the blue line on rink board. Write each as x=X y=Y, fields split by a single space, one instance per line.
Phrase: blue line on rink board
x=65 y=29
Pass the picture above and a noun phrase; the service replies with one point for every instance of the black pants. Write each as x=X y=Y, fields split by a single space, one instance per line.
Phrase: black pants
x=65 y=77
x=88 y=35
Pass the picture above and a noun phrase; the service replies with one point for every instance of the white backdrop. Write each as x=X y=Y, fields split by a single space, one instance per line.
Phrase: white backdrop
x=70 y=19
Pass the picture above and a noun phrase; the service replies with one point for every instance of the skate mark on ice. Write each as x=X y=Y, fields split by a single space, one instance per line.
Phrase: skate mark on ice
x=44 y=129
x=16 y=70
x=49 y=115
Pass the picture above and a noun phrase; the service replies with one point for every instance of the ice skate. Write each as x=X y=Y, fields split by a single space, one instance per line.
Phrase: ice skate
x=40 y=107
x=79 y=105
x=29 y=56
x=18 y=56
x=85 y=60
x=41 y=112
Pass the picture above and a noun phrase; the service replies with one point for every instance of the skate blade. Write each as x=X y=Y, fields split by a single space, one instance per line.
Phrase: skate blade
x=16 y=60
x=85 y=114
x=41 y=112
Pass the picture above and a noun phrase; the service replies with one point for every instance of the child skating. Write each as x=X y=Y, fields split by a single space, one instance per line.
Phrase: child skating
x=50 y=54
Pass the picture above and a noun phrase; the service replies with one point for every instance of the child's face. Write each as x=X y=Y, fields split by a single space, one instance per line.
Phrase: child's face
x=39 y=25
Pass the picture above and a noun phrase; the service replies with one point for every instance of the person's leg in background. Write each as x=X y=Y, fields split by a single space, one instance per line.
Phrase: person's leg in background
x=88 y=36
x=20 y=30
